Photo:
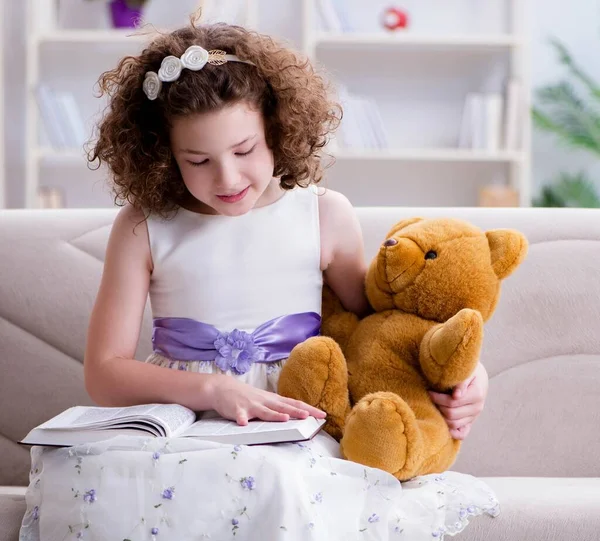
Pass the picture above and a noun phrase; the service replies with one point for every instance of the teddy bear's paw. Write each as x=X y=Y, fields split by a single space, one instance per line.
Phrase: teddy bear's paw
x=382 y=432
x=450 y=351
x=316 y=373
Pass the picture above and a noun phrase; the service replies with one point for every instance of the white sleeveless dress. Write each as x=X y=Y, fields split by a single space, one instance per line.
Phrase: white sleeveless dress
x=229 y=274
x=237 y=273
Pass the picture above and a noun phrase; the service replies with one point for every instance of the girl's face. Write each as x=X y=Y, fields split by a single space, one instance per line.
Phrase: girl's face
x=224 y=160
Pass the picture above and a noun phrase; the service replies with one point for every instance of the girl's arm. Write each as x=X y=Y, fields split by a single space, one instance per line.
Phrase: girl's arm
x=114 y=378
x=342 y=251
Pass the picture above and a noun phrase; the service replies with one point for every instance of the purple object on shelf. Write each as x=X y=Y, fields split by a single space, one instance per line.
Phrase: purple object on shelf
x=124 y=16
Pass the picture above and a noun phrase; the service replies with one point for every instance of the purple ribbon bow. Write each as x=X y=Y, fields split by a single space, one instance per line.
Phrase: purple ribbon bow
x=190 y=340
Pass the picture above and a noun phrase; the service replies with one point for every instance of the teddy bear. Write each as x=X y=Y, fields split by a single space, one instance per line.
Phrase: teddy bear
x=432 y=285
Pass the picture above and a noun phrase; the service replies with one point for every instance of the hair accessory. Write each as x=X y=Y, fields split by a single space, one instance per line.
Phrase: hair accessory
x=194 y=58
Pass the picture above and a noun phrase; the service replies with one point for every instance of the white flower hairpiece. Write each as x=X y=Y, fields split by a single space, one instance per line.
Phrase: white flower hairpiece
x=194 y=58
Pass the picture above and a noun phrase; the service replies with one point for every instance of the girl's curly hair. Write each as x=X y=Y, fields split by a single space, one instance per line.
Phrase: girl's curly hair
x=133 y=136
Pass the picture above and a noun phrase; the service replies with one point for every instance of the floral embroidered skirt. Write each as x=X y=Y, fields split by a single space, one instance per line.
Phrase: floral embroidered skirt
x=152 y=489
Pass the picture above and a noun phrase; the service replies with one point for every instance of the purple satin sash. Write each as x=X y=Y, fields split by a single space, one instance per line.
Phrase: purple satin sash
x=190 y=340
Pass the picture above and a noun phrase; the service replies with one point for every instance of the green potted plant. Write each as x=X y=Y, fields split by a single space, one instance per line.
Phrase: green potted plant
x=575 y=121
x=126 y=13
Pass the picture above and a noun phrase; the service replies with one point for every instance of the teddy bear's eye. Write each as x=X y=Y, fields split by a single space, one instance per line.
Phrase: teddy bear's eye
x=431 y=254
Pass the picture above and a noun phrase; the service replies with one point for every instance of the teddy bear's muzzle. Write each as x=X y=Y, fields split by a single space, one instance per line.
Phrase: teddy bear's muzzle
x=399 y=263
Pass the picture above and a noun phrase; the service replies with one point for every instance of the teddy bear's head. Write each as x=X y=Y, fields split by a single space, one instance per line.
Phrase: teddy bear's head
x=434 y=268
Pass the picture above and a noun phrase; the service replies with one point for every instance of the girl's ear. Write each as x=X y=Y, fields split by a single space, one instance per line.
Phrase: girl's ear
x=508 y=249
x=401 y=225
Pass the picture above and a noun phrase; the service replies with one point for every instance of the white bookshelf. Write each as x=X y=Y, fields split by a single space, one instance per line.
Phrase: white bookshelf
x=362 y=40
x=428 y=58
x=3 y=194
x=419 y=78
x=75 y=55
x=440 y=155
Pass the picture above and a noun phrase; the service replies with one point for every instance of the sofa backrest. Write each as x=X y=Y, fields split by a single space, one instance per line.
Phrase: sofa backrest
x=541 y=348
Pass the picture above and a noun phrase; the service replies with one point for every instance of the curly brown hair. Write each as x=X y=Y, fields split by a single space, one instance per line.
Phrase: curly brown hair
x=133 y=137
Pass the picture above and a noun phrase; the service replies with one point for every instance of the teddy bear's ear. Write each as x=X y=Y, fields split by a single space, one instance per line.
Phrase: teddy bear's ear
x=508 y=249
x=401 y=225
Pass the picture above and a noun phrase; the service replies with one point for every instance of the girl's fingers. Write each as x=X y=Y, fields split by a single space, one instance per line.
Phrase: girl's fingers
x=460 y=423
x=241 y=416
x=292 y=411
x=455 y=414
x=267 y=414
x=442 y=399
x=311 y=410
x=461 y=433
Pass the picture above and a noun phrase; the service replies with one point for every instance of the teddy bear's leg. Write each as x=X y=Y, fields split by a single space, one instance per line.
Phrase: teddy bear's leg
x=450 y=351
x=316 y=373
x=382 y=431
x=442 y=459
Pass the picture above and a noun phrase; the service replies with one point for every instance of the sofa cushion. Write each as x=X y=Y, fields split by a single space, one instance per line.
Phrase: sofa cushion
x=541 y=348
x=12 y=509
x=541 y=508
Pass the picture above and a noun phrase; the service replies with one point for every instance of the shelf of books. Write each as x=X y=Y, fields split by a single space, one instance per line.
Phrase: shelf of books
x=446 y=101
x=452 y=97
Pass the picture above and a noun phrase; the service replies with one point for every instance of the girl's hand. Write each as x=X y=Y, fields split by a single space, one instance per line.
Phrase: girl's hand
x=241 y=402
x=465 y=403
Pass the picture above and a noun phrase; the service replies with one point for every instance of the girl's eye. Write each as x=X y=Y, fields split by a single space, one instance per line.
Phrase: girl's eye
x=198 y=164
x=245 y=153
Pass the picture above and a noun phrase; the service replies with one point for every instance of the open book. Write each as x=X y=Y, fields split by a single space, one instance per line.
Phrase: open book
x=83 y=424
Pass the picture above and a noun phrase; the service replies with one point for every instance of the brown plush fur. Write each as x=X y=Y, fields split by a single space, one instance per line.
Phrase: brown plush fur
x=432 y=285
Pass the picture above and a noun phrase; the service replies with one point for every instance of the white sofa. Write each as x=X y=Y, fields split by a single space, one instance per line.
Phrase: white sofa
x=537 y=443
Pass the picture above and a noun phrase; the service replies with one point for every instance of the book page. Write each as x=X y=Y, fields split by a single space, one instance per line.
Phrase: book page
x=171 y=416
x=223 y=427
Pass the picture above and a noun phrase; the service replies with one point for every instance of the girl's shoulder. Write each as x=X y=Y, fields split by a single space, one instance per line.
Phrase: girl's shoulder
x=335 y=209
x=129 y=234
x=130 y=221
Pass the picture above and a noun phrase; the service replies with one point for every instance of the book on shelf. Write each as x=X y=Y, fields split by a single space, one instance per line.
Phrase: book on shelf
x=332 y=18
x=231 y=12
x=62 y=121
x=362 y=126
x=88 y=424
x=493 y=121
x=514 y=115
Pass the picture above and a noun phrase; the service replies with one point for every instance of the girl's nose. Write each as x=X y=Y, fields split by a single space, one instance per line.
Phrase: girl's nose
x=227 y=176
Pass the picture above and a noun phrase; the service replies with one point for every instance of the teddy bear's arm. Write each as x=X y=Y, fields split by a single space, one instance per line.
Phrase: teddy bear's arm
x=449 y=351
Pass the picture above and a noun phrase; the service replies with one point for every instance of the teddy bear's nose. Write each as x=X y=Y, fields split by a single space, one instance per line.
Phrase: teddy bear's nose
x=390 y=242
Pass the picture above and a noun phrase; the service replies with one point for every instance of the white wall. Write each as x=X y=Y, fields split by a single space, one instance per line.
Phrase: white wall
x=576 y=23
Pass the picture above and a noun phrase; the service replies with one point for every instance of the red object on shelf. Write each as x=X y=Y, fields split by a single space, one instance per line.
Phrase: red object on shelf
x=394 y=18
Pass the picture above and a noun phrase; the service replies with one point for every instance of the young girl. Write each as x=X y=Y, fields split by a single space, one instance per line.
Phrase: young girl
x=213 y=139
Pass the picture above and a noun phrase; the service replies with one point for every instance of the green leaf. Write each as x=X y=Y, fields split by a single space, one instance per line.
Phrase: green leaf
x=574 y=69
x=570 y=113
x=569 y=191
